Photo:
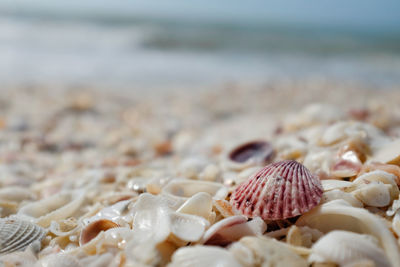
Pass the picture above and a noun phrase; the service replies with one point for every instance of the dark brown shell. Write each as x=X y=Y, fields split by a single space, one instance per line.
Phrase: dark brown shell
x=261 y=151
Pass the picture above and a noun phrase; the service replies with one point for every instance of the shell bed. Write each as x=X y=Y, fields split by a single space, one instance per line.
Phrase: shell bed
x=94 y=179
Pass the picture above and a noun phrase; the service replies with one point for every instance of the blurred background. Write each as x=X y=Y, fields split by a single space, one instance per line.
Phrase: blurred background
x=123 y=44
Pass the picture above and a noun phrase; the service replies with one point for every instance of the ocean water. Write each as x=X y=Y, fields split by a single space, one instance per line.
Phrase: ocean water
x=115 y=49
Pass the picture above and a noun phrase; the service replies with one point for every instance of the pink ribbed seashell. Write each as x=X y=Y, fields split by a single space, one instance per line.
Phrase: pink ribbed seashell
x=281 y=190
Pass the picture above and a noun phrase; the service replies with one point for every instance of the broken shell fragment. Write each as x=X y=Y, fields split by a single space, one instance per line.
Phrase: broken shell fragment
x=57 y=207
x=17 y=234
x=344 y=248
x=258 y=152
x=339 y=215
x=346 y=165
x=181 y=190
x=93 y=229
x=281 y=190
x=232 y=229
x=374 y=195
x=199 y=204
x=203 y=256
x=388 y=153
x=262 y=251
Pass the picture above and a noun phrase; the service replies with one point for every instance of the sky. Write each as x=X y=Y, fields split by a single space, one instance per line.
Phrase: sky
x=355 y=13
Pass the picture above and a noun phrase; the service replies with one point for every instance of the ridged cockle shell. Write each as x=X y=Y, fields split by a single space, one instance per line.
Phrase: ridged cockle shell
x=281 y=190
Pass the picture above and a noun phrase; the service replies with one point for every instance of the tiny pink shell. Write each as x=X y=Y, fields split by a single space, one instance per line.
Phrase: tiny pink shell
x=279 y=191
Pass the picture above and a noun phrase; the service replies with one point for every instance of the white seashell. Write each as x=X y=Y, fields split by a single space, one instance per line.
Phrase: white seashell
x=181 y=190
x=20 y=258
x=302 y=236
x=192 y=167
x=382 y=177
x=203 y=256
x=318 y=159
x=374 y=195
x=17 y=194
x=154 y=221
x=314 y=114
x=57 y=207
x=17 y=234
x=59 y=260
x=339 y=215
x=199 y=204
x=265 y=252
x=64 y=227
x=186 y=227
x=233 y=228
x=339 y=194
x=388 y=153
x=394 y=208
x=343 y=247
x=396 y=223
x=151 y=221
x=112 y=213
x=335 y=184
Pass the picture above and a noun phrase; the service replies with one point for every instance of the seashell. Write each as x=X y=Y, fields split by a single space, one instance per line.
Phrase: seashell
x=388 y=153
x=64 y=227
x=16 y=194
x=8 y=208
x=252 y=153
x=59 y=260
x=332 y=184
x=20 y=258
x=199 y=204
x=181 y=190
x=281 y=190
x=91 y=230
x=314 y=114
x=302 y=236
x=112 y=213
x=396 y=223
x=233 y=228
x=393 y=169
x=290 y=147
x=191 y=167
x=374 y=195
x=203 y=256
x=56 y=207
x=343 y=248
x=346 y=165
x=339 y=194
x=187 y=228
x=339 y=215
x=379 y=176
x=154 y=221
x=223 y=207
x=262 y=251
x=17 y=234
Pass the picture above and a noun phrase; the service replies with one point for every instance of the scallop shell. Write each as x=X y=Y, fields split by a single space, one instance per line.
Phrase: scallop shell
x=203 y=256
x=94 y=228
x=281 y=190
x=343 y=248
x=339 y=215
x=17 y=234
